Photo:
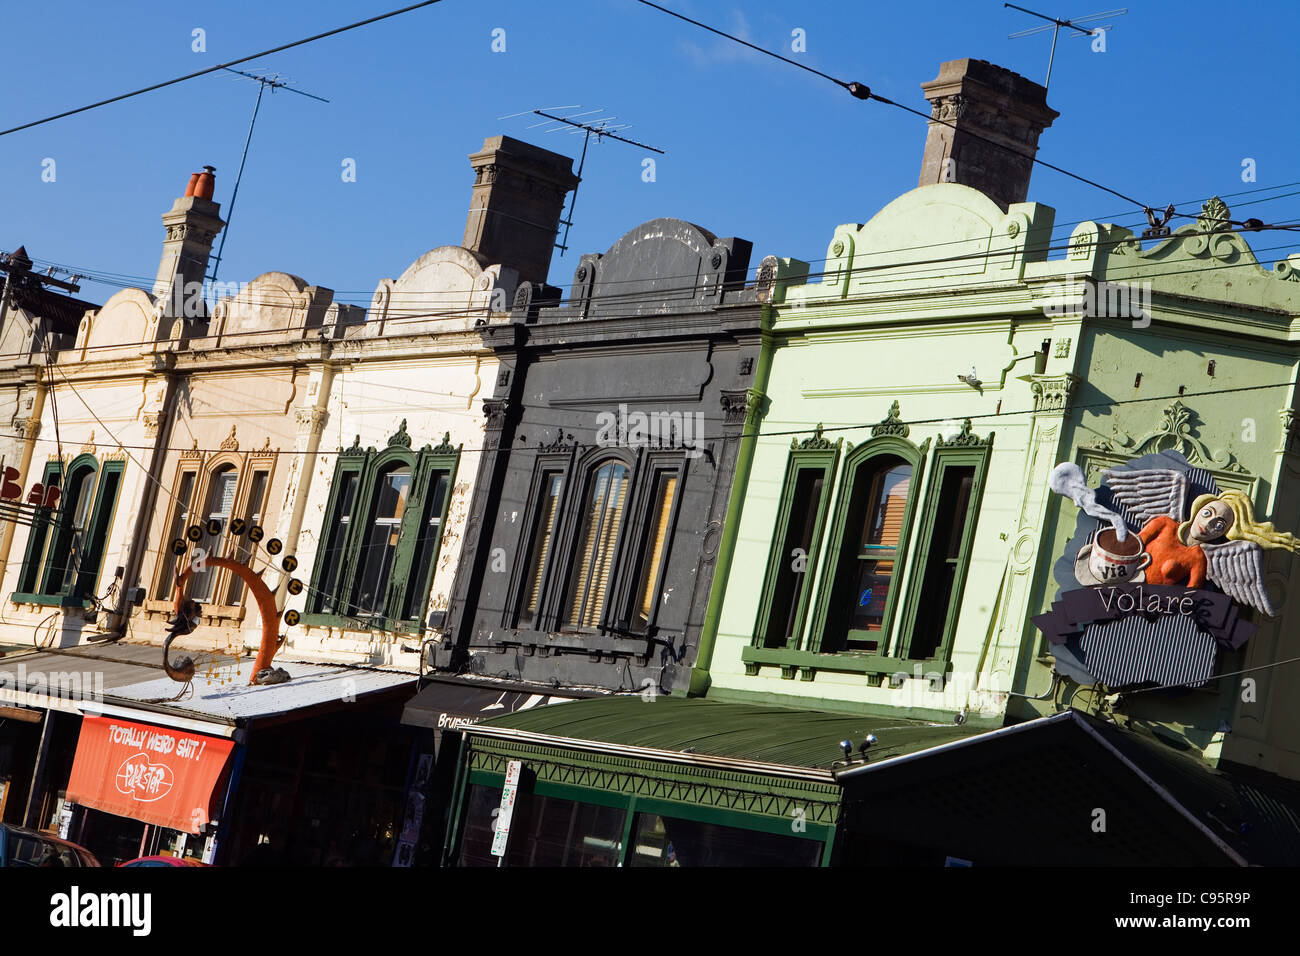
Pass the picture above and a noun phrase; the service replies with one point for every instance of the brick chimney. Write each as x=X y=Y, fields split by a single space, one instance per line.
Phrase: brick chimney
x=985 y=102
x=516 y=205
x=192 y=223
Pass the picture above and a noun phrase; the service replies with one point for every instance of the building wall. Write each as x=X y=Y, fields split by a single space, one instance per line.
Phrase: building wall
x=642 y=368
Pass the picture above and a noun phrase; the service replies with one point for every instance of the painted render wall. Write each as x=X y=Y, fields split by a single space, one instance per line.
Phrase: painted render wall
x=849 y=345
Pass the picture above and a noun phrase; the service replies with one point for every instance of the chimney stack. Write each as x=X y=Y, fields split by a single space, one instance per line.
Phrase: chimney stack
x=987 y=104
x=192 y=223
x=516 y=205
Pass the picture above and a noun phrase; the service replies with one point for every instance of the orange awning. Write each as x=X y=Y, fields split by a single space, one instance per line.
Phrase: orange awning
x=153 y=774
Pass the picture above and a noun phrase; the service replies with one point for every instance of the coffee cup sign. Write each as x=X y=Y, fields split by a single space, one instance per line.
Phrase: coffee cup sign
x=1113 y=561
x=1164 y=567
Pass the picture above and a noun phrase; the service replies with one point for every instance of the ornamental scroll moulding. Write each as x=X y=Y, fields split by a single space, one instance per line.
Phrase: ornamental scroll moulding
x=964 y=438
x=400 y=437
x=1174 y=432
x=816 y=443
x=892 y=425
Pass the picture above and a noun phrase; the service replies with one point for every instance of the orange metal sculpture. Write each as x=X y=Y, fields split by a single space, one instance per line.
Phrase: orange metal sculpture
x=265 y=604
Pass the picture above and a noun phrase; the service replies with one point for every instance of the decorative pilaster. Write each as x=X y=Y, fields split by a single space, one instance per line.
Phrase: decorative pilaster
x=311 y=421
x=1290 y=441
x=1052 y=392
x=740 y=405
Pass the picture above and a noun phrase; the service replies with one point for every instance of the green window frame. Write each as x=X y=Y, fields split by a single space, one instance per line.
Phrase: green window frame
x=814 y=459
x=57 y=546
x=839 y=561
x=928 y=629
x=355 y=495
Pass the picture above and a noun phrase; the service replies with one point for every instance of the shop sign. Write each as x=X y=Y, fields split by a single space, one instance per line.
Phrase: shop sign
x=154 y=774
x=507 y=810
x=1164 y=568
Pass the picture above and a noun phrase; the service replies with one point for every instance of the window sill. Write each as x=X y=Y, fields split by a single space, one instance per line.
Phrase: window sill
x=362 y=623
x=593 y=641
x=876 y=667
x=207 y=612
x=48 y=600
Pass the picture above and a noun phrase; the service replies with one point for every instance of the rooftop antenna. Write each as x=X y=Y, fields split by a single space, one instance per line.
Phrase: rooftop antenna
x=1055 y=26
x=264 y=81
x=602 y=127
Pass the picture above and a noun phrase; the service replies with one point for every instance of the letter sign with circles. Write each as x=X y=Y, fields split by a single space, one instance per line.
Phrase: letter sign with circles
x=291 y=617
x=290 y=563
x=255 y=533
x=178 y=546
x=214 y=526
x=274 y=546
x=295 y=586
x=238 y=526
x=194 y=532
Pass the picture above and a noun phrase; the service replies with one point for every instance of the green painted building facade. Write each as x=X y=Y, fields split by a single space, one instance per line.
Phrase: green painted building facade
x=894 y=533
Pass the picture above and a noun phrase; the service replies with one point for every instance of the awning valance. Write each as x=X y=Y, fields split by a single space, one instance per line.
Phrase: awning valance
x=153 y=774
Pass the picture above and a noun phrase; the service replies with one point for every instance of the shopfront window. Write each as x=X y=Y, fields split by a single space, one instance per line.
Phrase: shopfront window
x=672 y=841
x=544 y=831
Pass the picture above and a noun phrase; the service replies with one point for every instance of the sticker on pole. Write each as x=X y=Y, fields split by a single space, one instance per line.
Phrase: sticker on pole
x=508 y=793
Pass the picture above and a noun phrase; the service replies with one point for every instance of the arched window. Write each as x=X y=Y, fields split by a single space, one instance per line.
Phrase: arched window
x=215 y=516
x=379 y=547
x=383 y=528
x=604 y=507
x=868 y=565
x=66 y=549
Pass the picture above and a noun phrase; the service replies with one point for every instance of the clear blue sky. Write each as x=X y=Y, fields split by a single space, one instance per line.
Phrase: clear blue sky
x=755 y=148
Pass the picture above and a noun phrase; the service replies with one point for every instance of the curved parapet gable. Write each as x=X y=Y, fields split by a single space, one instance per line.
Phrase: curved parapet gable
x=127 y=324
x=1205 y=262
x=664 y=265
x=946 y=234
x=448 y=288
x=276 y=306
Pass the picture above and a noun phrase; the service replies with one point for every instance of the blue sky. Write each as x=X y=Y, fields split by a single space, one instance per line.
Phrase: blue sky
x=1184 y=92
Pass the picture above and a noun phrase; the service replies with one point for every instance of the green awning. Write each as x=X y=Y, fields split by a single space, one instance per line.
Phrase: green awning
x=749 y=732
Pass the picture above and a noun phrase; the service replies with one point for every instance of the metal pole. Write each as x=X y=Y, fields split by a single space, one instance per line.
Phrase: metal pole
x=35 y=792
x=230 y=210
x=573 y=200
x=1051 y=56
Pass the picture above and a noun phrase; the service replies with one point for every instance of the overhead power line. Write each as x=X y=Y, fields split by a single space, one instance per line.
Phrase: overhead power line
x=220 y=66
x=863 y=92
x=621 y=304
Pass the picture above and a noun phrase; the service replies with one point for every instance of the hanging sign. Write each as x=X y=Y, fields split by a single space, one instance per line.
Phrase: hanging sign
x=1164 y=568
x=154 y=774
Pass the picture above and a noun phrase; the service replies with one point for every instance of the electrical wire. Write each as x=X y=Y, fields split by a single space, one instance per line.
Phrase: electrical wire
x=365 y=297
x=634 y=300
x=219 y=66
x=864 y=92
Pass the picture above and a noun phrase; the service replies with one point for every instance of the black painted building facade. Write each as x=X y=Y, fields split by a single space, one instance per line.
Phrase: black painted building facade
x=612 y=438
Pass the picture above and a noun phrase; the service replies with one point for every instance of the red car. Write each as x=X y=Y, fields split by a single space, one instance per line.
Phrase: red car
x=161 y=861
x=22 y=847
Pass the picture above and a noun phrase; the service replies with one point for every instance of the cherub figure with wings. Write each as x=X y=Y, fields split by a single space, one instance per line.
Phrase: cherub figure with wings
x=1220 y=541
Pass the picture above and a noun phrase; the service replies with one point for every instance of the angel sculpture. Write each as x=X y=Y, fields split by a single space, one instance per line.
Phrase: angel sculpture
x=1220 y=541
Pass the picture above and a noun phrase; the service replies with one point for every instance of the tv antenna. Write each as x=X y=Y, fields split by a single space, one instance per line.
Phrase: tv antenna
x=602 y=128
x=1055 y=25
x=264 y=81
